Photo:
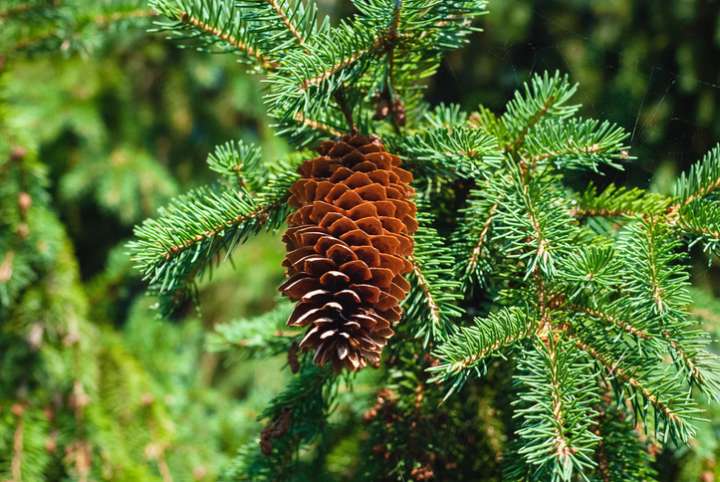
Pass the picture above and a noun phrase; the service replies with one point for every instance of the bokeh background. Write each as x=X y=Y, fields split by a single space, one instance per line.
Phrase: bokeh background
x=124 y=128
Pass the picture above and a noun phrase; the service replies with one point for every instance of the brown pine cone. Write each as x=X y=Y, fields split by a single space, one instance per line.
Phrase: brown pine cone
x=348 y=245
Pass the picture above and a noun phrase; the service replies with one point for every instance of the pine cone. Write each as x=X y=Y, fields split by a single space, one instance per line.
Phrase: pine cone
x=348 y=245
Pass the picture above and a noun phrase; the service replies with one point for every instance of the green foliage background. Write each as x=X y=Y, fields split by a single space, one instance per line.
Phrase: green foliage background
x=124 y=128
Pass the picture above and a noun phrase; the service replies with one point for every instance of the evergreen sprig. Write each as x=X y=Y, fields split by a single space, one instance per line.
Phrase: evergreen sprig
x=239 y=163
x=700 y=222
x=557 y=410
x=464 y=353
x=702 y=180
x=545 y=96
x=458 y=149
x=434 y=298
x=531 y=212
x=472 y=239
x=213 y=25
x=576 y=144
x=657 y=394
x=258 y=337
x=197 y=229
x=617 y=202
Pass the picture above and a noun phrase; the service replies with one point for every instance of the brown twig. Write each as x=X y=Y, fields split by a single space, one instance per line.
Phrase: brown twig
x=261 y=214
x=512 y=146
x=475 y=255
x=266 y=63
x=623 y=325
x=285 y=20
x=18 y=441
x=425 y=287
x=319 y=126
x=614 y=369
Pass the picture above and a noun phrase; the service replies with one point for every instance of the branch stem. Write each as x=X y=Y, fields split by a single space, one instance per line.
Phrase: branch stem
x=267 y=64
x=288 y=24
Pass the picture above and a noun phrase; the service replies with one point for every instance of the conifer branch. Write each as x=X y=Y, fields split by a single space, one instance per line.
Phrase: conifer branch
x=239 y=163
x=452 y=151
x=698 y=364
x=652 y=277
x=702 y=367
x=544 y=96
x=617 y=201
x=433 y=307
x=575 y=144
x=259 y=215
x=706 y=232
x=687 y=360
x=285 y=18
x=532 y=213
x=189 y=19
x=658 y=293
x=481 y=239
x=473 y=240
x=534 y=160
x=556 y=411
x=678 y=420
x=536 y=117
x=463 y=352
x=595 y=269
x=621 y=324
x=316 y=125
x=542 y=248
x=614 y=369
x=563 y=447
x=700 y=181
x=434 y=297
x=343 y=63
x=580 y=213
x=471 y=360
x=700 y=222
x=197 y=228
x=572 y=297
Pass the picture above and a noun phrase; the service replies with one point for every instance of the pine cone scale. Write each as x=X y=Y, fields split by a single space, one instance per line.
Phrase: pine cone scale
x=348 y=242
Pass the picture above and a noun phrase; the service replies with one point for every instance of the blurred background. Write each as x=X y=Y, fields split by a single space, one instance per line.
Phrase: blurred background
x=124 y=127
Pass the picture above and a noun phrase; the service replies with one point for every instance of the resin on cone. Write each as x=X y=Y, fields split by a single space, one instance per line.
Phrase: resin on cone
x=349 y=242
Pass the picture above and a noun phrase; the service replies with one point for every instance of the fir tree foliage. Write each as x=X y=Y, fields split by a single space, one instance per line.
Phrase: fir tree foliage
x=67 y=377
x=198 y=229
x=82 y=397
x=258 y=337
x=316 y=70
x=557 y=412
x=31 y=26
x=235 y=161
x=582 y=295
x=434 y=298
x=695 y=193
